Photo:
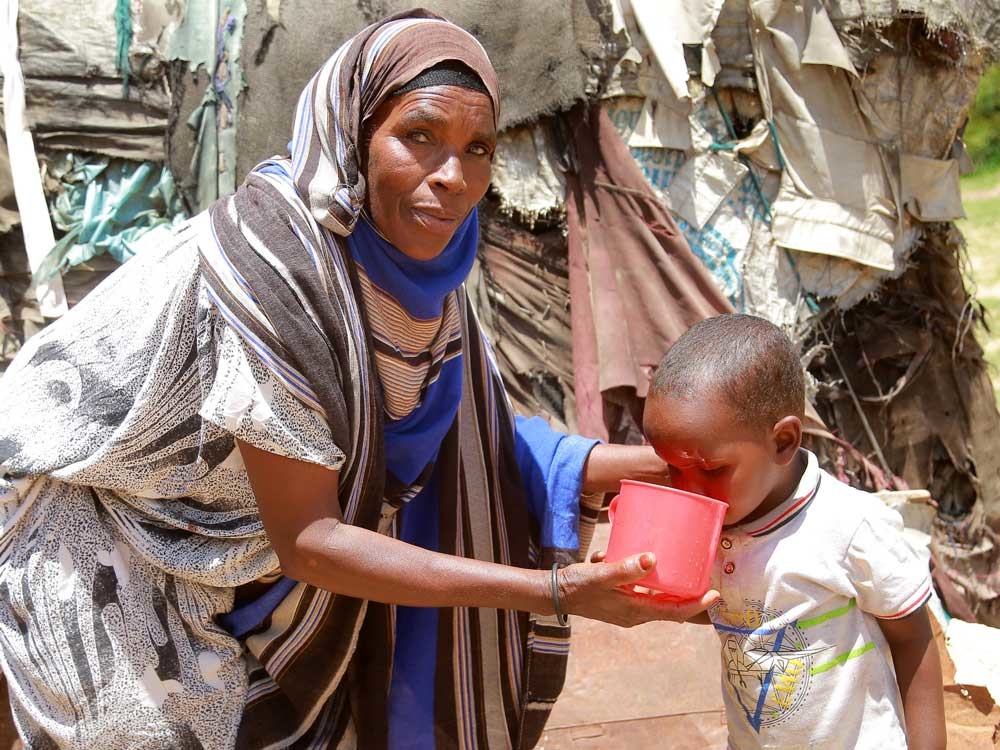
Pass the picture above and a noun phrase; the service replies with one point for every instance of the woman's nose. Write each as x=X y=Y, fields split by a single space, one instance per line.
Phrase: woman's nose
x=450 y=175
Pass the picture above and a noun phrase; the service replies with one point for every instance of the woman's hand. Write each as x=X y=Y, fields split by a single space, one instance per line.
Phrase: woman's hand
x=594 y=590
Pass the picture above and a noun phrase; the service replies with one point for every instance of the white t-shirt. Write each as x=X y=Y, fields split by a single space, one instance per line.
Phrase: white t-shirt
x=804 y=662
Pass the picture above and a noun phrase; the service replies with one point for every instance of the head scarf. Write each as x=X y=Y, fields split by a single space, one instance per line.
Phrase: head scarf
x=346 y=92
x=282 y=264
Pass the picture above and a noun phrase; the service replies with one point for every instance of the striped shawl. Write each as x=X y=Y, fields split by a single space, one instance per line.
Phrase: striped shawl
x=280 y=272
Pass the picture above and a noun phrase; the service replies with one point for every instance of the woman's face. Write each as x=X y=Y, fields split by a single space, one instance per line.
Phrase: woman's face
x=428 y=165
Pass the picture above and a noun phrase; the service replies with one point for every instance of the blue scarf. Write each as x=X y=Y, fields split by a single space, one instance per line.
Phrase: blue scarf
x=411 y=446
x=420 y=287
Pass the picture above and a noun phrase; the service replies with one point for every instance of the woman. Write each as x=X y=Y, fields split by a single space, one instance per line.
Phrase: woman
x=262 y=489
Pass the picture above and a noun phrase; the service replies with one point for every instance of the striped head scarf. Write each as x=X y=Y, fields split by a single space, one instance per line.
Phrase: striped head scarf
x=346 y=92
x=278 y=265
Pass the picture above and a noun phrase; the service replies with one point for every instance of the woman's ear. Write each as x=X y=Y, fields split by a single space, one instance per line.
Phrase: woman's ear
x=787 y=439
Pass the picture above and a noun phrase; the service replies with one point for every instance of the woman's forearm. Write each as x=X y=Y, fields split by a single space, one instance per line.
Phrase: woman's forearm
x=355 y=562
x=298 y=506
x=607 y=465
x=300 y=513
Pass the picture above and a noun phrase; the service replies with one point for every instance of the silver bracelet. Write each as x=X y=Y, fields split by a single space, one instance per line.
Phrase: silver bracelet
x=560 y=617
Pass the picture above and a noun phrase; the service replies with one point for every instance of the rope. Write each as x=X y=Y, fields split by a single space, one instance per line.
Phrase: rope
x=777 y=144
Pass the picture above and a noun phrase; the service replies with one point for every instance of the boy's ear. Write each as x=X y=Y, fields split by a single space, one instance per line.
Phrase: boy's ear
x=787 y=437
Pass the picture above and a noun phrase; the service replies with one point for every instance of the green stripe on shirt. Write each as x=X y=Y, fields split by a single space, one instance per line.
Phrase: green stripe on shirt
x=820 y=668
x=818 y=619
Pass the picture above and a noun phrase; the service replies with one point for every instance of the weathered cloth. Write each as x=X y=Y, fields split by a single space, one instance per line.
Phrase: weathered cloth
x=635 y=284
x=541 y=72
x=126 y=516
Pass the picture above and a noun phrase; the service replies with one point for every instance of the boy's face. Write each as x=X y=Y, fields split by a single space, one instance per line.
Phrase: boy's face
x=711 y=453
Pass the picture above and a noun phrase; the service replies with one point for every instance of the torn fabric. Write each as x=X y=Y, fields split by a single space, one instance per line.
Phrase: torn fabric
x=108 y=206
x=527 y=173
x=635 y=284
x=520 y=288
x=26 y=177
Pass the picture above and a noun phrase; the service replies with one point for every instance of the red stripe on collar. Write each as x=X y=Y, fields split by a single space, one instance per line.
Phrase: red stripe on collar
x=797 y=507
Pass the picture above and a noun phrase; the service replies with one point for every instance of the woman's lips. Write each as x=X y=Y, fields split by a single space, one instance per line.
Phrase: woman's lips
x=436 y=220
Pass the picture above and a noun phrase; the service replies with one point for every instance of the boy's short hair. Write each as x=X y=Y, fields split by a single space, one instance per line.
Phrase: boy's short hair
x=745 y=359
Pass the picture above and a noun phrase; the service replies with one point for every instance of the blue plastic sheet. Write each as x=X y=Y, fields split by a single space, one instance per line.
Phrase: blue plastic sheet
x=108 y=206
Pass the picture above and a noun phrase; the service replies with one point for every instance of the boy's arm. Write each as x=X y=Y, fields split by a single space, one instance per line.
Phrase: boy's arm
x=918 y=673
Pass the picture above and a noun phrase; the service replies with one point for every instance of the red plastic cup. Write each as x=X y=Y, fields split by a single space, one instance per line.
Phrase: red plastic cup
x=682 y=529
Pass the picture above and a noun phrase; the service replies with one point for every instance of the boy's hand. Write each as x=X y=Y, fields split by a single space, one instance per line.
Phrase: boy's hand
x=918 y=673
x=596 y=590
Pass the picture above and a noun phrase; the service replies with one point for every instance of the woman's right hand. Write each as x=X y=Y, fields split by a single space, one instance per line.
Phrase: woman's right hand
x=594 y=590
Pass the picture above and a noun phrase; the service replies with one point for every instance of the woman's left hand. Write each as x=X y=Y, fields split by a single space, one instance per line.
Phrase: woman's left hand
x=607 y=465
x=597 y=590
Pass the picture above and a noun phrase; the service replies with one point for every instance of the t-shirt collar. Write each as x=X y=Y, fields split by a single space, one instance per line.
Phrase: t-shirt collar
x=796 y=503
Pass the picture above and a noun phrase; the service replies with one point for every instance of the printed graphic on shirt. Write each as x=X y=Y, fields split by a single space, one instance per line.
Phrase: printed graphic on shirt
x=768 y=661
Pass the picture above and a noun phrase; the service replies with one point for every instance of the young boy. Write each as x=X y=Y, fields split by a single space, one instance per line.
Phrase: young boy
x=826 y=641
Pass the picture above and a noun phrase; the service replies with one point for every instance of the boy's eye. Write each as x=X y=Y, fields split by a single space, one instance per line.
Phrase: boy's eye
x=713 y=471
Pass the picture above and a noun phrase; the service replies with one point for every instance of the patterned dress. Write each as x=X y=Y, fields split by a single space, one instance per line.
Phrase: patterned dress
x=98 y=499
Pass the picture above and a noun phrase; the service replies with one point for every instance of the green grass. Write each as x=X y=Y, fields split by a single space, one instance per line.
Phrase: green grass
x=983 y=179
x=981 y=227
x=982 y=134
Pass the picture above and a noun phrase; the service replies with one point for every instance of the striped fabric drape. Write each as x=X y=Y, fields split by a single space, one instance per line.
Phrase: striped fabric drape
x=282 y=275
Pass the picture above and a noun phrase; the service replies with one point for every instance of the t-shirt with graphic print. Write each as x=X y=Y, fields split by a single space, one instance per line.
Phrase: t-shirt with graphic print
x=804 y=662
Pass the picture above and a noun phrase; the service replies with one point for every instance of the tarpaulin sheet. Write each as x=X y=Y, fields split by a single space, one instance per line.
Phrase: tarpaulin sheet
x=107 y=206
x=73 y=89
x=836 y=196
x=635 y=284
x=858 y=198
x=716 y=216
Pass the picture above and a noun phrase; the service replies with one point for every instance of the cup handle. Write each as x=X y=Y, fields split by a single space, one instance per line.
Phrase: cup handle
x=611 y=509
